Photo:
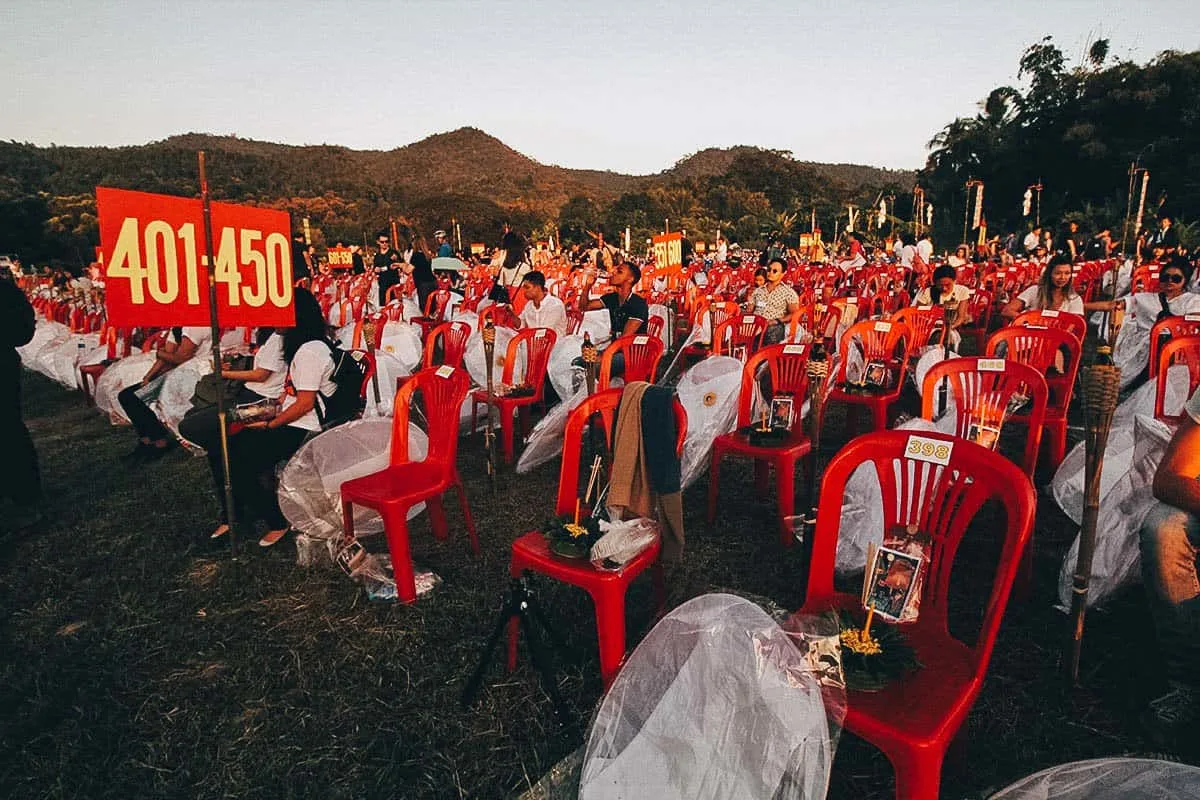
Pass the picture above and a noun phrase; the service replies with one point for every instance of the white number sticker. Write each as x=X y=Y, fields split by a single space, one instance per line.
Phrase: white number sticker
x=1049 y=312
x=747 y=320
x=793 y=349
x=640 y=340
x=883 y=327
x=445 y=371
x=990 y=365
x=935 y=451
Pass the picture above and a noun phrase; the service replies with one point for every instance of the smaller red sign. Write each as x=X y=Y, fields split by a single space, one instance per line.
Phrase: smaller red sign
x=340 y=258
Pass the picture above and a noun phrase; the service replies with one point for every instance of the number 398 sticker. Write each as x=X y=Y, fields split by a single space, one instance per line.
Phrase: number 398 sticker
x=156 y=272
x=935 y=451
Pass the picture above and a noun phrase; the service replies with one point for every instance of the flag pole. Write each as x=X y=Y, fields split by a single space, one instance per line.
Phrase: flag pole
x=211 y=263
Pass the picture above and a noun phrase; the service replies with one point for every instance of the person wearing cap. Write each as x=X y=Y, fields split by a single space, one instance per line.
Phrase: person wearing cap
x=444 y=250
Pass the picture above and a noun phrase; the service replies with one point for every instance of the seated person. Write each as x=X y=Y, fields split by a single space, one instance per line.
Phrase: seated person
x=1052 y=292
x=775 y=301
x=1170 y=544
x=543 y=310
x=949 y=294
x=627 y=310
x=154 y=439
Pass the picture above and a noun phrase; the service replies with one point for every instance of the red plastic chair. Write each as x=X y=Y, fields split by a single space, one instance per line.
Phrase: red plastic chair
x=785 y=364
x=606 y=587
x=453 y=336
x=1049 y=318
x=718 y=311
x=1185 y=351
x=743 y=331
x=1039 y=348
x=642 y=353
x=403 y=483
x=914 y=718
x=979 y=308
x=928 y=326
x=1167 y=329
x=654 y=326
x=880 y=341
x=501 y=315
x=538 y=344
x=435 y=309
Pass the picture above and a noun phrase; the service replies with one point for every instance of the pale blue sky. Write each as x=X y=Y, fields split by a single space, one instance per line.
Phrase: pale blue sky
x=620 y=85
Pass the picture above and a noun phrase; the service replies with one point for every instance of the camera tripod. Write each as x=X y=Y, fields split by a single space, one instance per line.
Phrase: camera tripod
x=521 y=604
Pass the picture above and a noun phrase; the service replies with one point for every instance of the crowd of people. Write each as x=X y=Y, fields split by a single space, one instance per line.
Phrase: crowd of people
x=296 y=365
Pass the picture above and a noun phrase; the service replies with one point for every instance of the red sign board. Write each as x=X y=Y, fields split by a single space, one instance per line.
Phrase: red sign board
x=668 y=252
x=156 y=272
x=340 y=258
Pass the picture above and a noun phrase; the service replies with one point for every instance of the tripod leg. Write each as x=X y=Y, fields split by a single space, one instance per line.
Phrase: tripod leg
x=540 y=663
x=540 y=617
x=508 y=611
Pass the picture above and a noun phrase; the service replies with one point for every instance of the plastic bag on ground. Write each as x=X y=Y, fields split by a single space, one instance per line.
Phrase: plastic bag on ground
x=716 y=702
x=310 y=483
x=1108 y=779
x=1123 y=508
x=709 y=393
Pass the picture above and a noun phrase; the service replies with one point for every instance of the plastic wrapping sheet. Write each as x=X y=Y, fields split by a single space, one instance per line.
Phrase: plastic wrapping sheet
x=661 y=311
x=120 y=374
x=411 y=309
x=232 y=341
x=178 y=390
x=545 y=441
x=1131 y=351
x=311 y=482
x=402 y=340
x=44 y=333
x=862 y=504
x=96 y=355
x=563 y=375
x=598 y=324
x=716 y=702
x=1108 y=779
x=476 y=363
x=709 y=393
x=65 y=357
x=1067 y=484
x=931 y=357
x=1123 y=508
x=469 y=317
x=389 y=369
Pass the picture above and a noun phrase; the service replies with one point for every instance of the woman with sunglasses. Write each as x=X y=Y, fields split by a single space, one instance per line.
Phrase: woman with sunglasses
x=775 y=301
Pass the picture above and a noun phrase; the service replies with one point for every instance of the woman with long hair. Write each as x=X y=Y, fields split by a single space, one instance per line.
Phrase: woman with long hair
x=255 y=451
x=511 y=262
x=1052 y=292
x=421 y=269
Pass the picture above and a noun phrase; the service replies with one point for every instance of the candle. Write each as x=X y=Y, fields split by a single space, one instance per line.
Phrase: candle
x=576 y=510
x=870 y=615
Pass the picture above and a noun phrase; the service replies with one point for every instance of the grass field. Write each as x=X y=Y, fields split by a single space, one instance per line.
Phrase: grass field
x=139 y=660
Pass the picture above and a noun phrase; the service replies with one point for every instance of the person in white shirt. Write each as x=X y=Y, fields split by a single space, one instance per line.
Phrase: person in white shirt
x=154 y=439
x=1052 y=292
x=201 y=426
x=925 y=248
x=542 y=309
x=961 y=257
x=254 y=452
x=1031 y=240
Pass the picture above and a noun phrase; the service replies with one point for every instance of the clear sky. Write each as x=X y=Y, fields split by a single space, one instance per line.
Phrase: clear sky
x=622 y=85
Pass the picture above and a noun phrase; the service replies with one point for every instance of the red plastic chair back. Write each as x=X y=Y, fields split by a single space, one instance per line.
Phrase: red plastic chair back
x=1039 y=348
x=369 y=369
x=603 y=406
x=941 y=502
x=443 y=391
x=436 y=304
x=786 y=366
x=980 y=391
x=654 y=326
x=642 y=353
x=453 y=336
x=1167 y=329
x=881 y=340
x=538 y=344
x=501 y=315
x=1048 y=318
x=928 y=325
x=745 y=330
x=1185 y=351
x=574 y=321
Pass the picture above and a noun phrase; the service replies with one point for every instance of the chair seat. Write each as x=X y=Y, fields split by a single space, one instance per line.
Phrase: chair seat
x=406 y=483
x=942 y=690
x=532 y=551
x=481 y=396
x=739 y=443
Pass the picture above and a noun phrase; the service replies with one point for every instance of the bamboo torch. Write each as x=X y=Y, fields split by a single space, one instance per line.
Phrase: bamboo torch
x=369 y=337
x=1100 y=401
x=488 y=334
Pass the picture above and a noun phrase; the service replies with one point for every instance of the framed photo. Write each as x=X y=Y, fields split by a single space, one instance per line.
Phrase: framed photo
x=893 y=581
x=877 y=375
x=739 y=352
x=782 y=412
x=984 y=435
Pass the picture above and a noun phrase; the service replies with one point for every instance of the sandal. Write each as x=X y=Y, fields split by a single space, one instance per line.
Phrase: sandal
x=272 y=537
x=222 y=530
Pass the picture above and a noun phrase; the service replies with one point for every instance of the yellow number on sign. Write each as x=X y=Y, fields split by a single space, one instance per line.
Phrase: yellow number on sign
x=166 y=269
x=257 y=260
x=226 y=268
x=279 y=270
x=187 y=235
x=126 y=261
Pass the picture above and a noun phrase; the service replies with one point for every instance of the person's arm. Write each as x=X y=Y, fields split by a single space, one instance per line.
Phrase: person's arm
x=1013 y=309
x=179 y=354
x=249 y=375
x=585 y=302
x=1175 y=480
x=1100 y=305
x=631 y=326
x=306 y=401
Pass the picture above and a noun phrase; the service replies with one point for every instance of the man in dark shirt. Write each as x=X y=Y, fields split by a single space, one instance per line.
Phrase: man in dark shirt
x=627 y=311
x=19 y=477
x=387 y=265
x=301 y=265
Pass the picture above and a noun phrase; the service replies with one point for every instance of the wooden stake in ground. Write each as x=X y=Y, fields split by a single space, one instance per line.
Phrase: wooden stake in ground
x=1099 y=402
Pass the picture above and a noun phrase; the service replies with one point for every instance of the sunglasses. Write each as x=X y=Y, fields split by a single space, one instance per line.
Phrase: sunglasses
x=1174 y=277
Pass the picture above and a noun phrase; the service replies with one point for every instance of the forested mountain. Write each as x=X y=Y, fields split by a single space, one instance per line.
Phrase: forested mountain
x=47 y=210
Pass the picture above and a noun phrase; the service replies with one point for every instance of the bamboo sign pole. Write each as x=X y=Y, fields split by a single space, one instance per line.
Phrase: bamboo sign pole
x=488 y=334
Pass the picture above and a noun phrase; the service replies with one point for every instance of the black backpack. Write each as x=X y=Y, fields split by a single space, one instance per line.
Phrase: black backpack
x=346 y=402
